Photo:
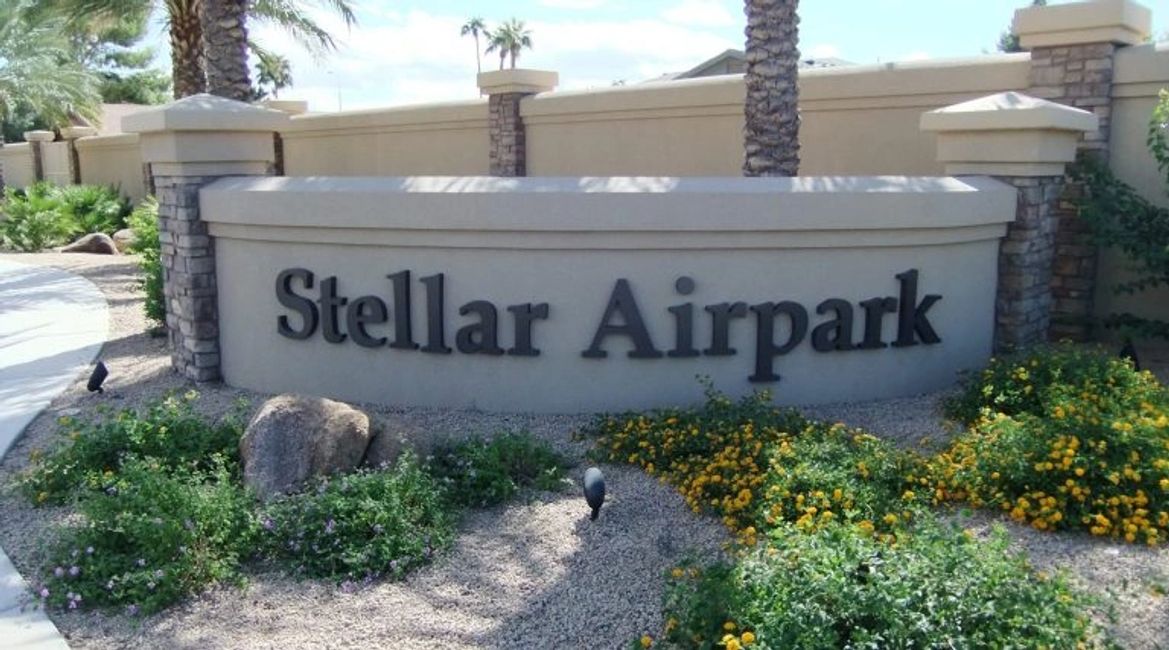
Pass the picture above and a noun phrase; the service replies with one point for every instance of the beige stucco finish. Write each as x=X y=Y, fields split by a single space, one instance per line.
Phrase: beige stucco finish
x=1008 y=134
x=519 y=80
x=567 y=242
x=113 y=160
x=1097 y=21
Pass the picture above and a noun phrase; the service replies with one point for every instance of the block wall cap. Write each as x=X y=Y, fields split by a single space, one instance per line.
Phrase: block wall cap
x=495 y=82
x=39 y=136
x=1098 y=21
x=1008 y=111
x=290 y=106
x=74 y=132
x=205 y=112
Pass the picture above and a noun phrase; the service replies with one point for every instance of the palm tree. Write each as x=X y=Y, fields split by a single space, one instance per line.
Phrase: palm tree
x=510 y=38
x=184 y=19
x=771 y=131
x=225 y=48
x=474 y=27
x=274 y=71
x=37 y=71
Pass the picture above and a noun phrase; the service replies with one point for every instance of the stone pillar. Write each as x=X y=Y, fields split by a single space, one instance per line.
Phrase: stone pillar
x=1027 y=143
x=188 y=144
x=71 y=134
x=293 y=107
x=1073 y=52
x=36 y=142
x=506 y=90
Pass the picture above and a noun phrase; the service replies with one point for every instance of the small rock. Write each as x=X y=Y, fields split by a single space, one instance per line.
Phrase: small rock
x=293 y=438
x=124 y=239
x=99 y=243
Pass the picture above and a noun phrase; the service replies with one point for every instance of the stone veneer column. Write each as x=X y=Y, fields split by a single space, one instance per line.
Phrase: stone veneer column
x=505 y=90
x=188 y=144
x=1073 y=52
x=1027 y=143
x=71 y=134
x=36 y=142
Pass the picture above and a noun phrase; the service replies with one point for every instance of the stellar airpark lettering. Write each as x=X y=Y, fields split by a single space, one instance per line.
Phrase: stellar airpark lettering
x=340 y=318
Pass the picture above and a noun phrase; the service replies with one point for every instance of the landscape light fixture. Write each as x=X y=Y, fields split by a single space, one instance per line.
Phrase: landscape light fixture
x=594 y=490
x=96 y=378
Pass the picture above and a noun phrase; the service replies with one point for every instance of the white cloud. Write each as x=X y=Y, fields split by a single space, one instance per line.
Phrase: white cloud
x=574 y=4
x=915 y=56
x=711 y=13
x=420 y=57
x=822 y=51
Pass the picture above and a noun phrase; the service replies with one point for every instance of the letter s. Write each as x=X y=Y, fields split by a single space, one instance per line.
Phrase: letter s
x=303 y=306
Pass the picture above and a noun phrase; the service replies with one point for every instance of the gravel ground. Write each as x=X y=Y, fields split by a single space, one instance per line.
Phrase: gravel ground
x=532 y=574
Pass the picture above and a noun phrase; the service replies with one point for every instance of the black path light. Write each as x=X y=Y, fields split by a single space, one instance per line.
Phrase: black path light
x=1129 y=352
x=594 y=490
x=96 y=378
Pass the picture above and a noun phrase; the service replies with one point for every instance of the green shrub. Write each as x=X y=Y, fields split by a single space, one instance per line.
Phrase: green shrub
x=93 y=208
x=32 y=219
x=144 y=222
x=1124 y=219
x=1024 y=383
x=168 y=431
x=481 y=473
x=755 y=465
x=838 y=588
x=361 y=526
x=45 y=215
x=1067 y=439
x=152 y=537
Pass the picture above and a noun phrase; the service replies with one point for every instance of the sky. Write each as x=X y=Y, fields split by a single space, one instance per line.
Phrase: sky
x=410 y=51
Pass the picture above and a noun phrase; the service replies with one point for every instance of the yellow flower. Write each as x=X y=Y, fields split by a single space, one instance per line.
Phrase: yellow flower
x=646 y=641
x=678 y=572
x=748 y=638
x=729 y=626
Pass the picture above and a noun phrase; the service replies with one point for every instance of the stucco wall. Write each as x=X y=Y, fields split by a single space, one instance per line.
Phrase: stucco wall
x=56 y=162
x=567 y=242
x=17 y=162
x=446 y=138
x=1141 y=72
x=113 y=160
x=855 y=120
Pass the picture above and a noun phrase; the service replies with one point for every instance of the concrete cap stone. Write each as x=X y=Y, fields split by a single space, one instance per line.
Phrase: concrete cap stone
x=290 y=106
x=495 y=82
x=1078 y=23
x=39 y=136
x=1009 y=111
x=74 y=132
x=205 y=112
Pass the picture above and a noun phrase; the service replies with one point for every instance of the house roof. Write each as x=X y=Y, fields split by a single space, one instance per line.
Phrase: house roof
x=733 y=56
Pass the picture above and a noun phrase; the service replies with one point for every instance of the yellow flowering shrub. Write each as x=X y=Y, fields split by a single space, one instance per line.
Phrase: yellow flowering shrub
x=1089 y=452
x=754 y=466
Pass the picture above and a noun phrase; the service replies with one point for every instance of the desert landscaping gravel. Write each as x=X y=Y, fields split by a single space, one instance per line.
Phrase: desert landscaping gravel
x=536 y=573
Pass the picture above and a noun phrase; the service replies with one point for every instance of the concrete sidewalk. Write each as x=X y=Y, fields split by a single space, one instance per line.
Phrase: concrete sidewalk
x=52 y=325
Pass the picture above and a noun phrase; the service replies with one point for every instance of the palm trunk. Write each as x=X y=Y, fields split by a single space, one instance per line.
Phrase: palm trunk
x=478 y=64
x=225 y=47
x=186 y=48
x=771 y=132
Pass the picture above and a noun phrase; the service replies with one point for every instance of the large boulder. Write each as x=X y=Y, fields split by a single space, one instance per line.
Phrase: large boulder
x=390 y=439
x=294 y=438
x=124 y=239
x=98 y=242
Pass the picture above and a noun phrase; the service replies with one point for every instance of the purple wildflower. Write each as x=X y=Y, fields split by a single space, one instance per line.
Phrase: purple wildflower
x=329 y=526
x=158 y=573
x=74 y=570
x=150 y=585
x=141 y=562
x=268 y=525
x=131 y=609
x=59 y=572
x=44 y=592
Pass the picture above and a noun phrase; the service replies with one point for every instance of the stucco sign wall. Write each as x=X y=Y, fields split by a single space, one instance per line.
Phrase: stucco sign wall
x=587 y=294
